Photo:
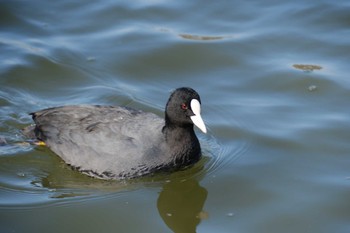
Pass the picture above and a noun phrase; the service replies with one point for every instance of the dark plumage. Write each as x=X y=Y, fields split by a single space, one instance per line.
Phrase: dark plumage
x=117 y=142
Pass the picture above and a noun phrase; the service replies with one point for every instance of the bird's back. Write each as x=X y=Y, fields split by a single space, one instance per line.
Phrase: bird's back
x=103 y=141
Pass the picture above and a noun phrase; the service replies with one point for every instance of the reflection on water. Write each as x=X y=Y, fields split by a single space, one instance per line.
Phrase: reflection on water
x=180 y=204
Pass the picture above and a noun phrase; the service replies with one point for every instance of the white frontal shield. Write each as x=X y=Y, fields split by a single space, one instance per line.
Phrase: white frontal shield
x=197 y=119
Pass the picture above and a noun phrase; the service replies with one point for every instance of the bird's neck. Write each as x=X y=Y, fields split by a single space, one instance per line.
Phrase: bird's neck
x=184 y=144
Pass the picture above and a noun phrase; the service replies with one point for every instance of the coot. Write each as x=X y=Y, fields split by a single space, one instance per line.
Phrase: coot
x=112 y=142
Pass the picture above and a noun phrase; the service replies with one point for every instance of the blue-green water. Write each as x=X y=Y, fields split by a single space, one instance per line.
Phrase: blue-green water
x=274 y=82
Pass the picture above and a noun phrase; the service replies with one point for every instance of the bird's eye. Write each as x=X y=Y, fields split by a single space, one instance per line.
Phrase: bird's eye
x=184 y=106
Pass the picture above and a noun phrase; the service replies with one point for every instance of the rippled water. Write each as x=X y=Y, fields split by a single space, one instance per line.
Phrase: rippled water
x=273 y=78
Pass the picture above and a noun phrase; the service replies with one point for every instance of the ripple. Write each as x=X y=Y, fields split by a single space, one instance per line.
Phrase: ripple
x=224 y=145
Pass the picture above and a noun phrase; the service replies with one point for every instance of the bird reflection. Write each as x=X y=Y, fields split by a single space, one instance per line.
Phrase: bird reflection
x=180 y=204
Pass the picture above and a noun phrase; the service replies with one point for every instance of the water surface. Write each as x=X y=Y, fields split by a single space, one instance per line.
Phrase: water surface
x=273 y=79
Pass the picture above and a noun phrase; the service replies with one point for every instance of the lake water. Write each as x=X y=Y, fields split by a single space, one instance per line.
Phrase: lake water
x=275 y=87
